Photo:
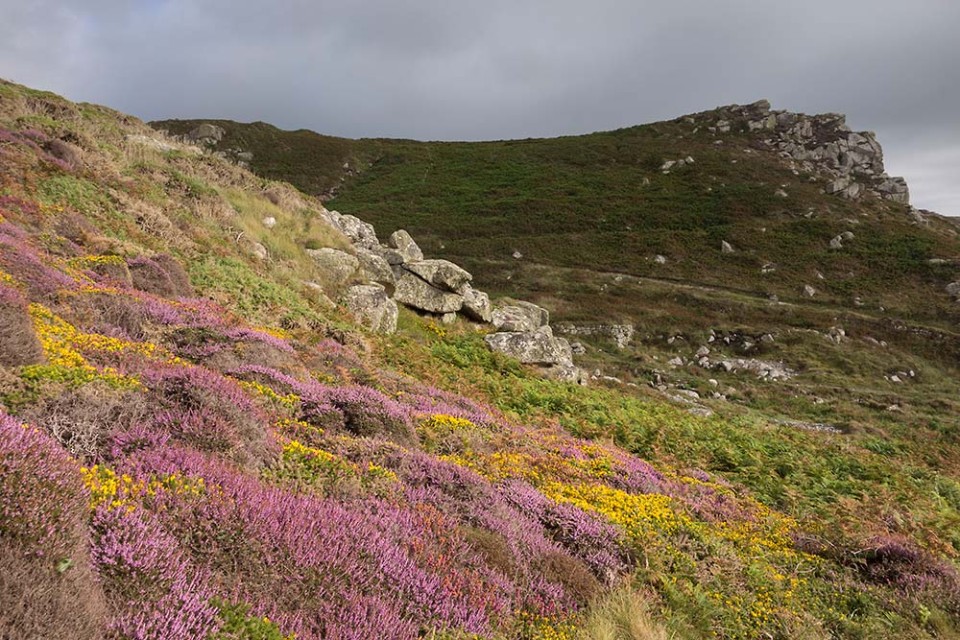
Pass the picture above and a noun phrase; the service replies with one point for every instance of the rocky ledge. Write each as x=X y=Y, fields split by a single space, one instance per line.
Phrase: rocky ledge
x=822 y=145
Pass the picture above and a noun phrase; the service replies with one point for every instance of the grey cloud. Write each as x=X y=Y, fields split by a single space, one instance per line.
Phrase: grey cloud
x=436 y=69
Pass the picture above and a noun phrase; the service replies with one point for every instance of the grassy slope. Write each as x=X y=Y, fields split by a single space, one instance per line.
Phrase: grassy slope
x=790 y=534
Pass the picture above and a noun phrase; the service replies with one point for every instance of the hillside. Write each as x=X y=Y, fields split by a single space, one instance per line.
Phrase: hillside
x=197 y=443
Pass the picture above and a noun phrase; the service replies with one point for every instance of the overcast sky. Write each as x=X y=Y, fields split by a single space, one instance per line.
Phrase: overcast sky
x=470 y=70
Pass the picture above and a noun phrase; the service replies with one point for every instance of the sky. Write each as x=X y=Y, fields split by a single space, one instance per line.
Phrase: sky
x=472 y=70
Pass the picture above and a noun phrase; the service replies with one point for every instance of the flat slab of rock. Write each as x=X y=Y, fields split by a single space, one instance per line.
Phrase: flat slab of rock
x=520 y=316
x=372 y=307
x=532 y=347
x=405 y=245
x=442 y=274
x=415 y=292
x=476 y=305
x=338 y=266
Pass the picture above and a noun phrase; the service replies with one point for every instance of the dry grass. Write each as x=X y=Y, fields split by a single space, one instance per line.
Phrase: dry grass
x=622 y=615
x=18 y=342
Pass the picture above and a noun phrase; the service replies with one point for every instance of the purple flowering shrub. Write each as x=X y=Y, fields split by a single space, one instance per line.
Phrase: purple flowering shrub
x=206 y=410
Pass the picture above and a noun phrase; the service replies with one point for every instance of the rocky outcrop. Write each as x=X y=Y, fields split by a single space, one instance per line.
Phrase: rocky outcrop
x=206 y=134
x=532 y=347
x=524 y=333
x=520 y=316
x=372 y=307
x=339 y=266
x=376 y=268
x=442 y=274
x=415 y=292
x=397 y=272
x=476 y=305
x=405 y=246
x=851 y=162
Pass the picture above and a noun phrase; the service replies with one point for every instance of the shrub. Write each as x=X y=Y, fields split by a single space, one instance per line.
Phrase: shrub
x=160 y=275
x=81 y=419
x=195 y=395
x=47 y=586
x=18 y=342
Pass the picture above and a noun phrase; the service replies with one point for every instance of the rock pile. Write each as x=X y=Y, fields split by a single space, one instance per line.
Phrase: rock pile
x=823 y=145
x=397 y=272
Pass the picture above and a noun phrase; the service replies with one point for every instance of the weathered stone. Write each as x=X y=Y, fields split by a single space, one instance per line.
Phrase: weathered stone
x=441 y=273
x=448 y=318
x=726 y=247
x=476 y=305
x=401 y=241
x=621 y=334
x=836 y=242
x=207 y=133
x=954 y=289
x=894 y=189
x=372 y=307
x=375 y=268
x=259 y=251
x=419 y=294
x=809 y=291
x=359 y=232
x=520 y=316
x=269 y=222
x=338 y=266
x=566 y=372
x=838 y=185
x=532 y=347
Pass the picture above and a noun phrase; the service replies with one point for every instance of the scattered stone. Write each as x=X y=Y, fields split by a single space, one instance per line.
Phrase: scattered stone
x=259 y=251
x=953 y=289
x=577 y=348
x=660 y=259
x=675 y=362
x=836 y=243
x=448 y=318
x=809 y=291
x=517 y=255
x=726 y=247
x=269 y=222
x=780 y=193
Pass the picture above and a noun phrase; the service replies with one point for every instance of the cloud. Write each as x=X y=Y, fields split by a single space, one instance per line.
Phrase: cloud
x=434 y=69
